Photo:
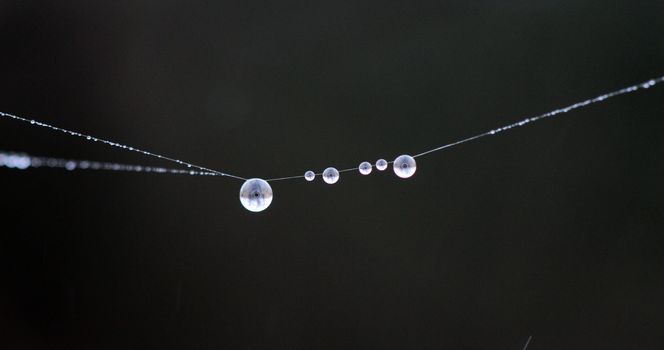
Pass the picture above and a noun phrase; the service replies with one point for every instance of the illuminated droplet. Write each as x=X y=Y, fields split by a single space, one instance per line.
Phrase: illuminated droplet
x=17 y=161
x=70 y=165
x=365 y=168
x=256 y=195
x=381 y=164
x=309 y=175
x=404 y=166
x=330 y=175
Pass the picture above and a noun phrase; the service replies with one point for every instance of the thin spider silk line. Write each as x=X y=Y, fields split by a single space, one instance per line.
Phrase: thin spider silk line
x=205 y=171
x=118 y=145
x=22 y=161
x=527 y=342
x=645 y=85
x=301 y=176
x=600 y=98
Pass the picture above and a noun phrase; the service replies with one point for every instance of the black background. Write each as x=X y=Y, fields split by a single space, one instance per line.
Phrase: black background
x=554 y=229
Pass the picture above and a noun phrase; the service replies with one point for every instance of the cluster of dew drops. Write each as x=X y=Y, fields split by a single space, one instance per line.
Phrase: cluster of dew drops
x=256 y=194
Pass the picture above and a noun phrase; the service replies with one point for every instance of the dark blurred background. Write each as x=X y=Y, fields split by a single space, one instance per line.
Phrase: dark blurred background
x=554 y=229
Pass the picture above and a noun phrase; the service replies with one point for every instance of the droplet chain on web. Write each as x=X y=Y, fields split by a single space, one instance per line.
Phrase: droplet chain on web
x=22 y=161
x=381 y=164
x=256 y=194
x=600 y=98
x=118 y=145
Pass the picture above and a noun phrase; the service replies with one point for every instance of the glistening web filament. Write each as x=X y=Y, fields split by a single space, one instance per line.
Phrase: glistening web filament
x=256 y=194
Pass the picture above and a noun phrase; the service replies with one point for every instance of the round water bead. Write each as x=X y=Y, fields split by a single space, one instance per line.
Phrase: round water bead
x=256 y=195
x=381 y=164
x=365 y=168
x=330 y=175
x=309 y=175
x=404 y=166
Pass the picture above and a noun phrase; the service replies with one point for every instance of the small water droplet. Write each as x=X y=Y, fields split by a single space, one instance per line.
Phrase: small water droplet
x=381 y=164
x=365 y=168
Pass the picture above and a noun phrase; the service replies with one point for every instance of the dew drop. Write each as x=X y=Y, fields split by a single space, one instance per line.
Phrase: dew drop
x=404 y=166
x=17 y=161
x=70 y=165
x=365 y=168
x=331 y=175
x=309 y=175
x=381 y=164
x=256 y=195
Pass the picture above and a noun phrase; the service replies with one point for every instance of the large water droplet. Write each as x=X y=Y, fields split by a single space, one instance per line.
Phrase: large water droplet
x=256 y=195
x=404 y=166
